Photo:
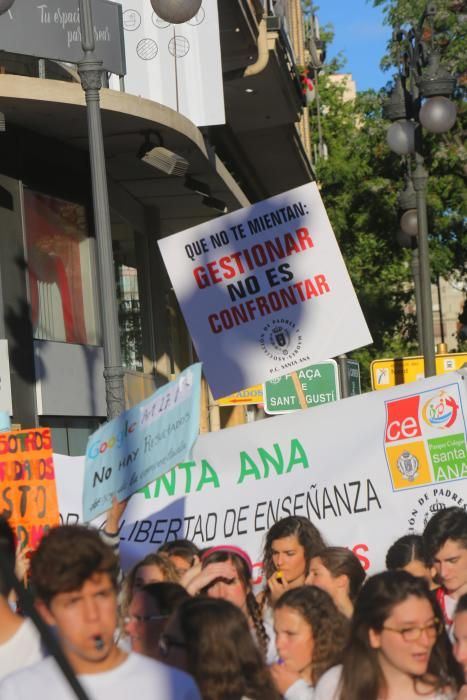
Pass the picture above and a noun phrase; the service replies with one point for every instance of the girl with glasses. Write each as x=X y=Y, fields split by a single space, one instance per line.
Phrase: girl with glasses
x=396 y=650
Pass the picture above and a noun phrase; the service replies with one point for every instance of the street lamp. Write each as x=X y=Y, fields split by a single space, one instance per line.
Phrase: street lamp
x=407 y=238
x=5 y=5
x=176 y=11
x=420 y=98
x=90 y=70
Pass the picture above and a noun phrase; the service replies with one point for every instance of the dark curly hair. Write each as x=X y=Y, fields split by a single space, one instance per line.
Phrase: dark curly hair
x=306 y=533
x=308 y=536
x=66 y=557
x=329 y=626
x=221 y=653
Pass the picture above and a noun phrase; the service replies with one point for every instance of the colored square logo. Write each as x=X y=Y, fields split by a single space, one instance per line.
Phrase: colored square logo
x=409 y=465
x=402 y=419
x=448 y=457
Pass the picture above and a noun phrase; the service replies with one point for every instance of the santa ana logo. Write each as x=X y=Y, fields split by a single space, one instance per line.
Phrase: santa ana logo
x=440 y=411
x=430 y=502
x=281 y=339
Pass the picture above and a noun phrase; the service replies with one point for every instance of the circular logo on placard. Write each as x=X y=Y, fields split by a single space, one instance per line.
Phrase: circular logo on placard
x=281 y=339
x=440 y=411
x=431 y=502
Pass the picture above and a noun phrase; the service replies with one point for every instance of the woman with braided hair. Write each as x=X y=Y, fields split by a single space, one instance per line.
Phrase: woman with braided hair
x=226 y=573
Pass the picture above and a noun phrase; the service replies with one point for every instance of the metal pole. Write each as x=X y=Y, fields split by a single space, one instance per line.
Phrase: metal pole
x=90 y=72
x=415 y=263
x=420 y=177
x=343 y=376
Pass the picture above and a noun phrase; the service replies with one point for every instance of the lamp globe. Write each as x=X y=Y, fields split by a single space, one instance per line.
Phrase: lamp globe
x=409 y=222
x=176 y=11
x=5 y=5
x=438 y=114
x=401 y=137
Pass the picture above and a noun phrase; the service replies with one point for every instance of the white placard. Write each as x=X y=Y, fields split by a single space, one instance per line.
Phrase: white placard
x=177 y=65
x=365 y=470
x=265 y=290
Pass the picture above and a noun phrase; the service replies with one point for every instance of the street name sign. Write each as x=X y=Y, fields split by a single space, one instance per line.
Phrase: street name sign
x=319 y=382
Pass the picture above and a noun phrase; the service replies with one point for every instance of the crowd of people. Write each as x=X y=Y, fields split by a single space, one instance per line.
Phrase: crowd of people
x=186 y=624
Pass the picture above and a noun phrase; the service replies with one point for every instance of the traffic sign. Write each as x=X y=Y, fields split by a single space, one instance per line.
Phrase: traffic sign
x=319 y=382
x=402 y=370
x=252 y=395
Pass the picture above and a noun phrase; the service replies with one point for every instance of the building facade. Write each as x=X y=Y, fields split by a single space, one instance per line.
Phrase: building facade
x=50 y=311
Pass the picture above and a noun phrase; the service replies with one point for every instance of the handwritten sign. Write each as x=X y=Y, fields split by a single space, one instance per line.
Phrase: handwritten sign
x=264 y=290
x=143 y=443
x=28 y=495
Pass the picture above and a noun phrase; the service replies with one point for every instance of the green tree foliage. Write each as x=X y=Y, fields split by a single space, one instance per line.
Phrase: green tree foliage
x=360 y=181
x=445 y=154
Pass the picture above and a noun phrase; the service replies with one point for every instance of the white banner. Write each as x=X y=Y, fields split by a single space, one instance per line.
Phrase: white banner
x=264 y=290
x=364 y=470
x=177 y=65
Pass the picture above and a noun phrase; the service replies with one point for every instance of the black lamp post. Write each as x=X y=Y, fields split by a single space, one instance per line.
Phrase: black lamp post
x=420 y=99
x=90 y=70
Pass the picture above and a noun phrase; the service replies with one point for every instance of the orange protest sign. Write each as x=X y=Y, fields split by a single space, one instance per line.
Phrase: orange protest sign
x=28 y=495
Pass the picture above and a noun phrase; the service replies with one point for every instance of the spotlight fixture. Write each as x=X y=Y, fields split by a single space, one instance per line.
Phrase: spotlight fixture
x=196 y=186
x=162 y=158
x=216 y=204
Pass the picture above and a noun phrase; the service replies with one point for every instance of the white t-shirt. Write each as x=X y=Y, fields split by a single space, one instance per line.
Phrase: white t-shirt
x=328 y=686
x=137 y=677
x=22 y=649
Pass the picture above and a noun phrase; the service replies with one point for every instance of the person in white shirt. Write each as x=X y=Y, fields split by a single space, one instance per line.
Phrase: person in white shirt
x=445 y=538
x=396 y=649
x=20 y=644
x=75 y=578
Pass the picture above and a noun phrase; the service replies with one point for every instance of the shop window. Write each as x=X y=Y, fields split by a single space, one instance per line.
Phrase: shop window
x=61 y=270
x=129 y=318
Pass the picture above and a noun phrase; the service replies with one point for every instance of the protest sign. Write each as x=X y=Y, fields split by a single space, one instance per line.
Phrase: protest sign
x=142 y=443
x=365 y=470
x=264 y=290
x=28 y=495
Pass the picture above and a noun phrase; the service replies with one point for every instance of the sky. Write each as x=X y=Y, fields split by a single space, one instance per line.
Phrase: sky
x=361 y=35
